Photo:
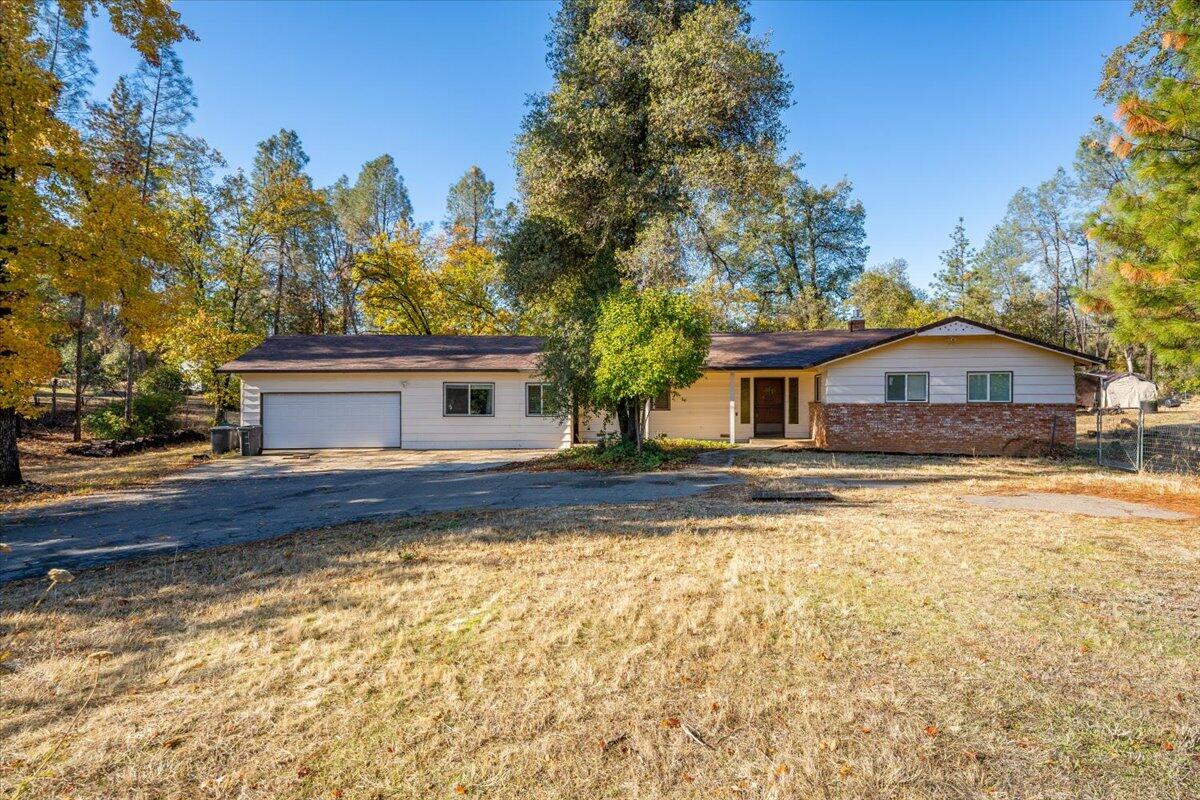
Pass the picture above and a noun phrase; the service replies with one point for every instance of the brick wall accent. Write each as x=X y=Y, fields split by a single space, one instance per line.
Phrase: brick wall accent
x=1017 y=429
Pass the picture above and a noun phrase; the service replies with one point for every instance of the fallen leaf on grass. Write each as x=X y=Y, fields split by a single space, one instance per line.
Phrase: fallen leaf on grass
x=173 y=742
x=931 y=731
x=460 y=789
x=669 y=722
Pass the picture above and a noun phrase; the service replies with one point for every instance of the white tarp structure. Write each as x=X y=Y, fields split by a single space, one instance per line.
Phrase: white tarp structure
x=1127 y=391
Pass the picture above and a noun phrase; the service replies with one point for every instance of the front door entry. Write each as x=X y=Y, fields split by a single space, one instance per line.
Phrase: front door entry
x=768 y=406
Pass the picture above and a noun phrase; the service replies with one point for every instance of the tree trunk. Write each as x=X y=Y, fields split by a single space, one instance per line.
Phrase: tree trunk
x=643 y=422
x=10 y=460
x=150 y=137
x=10 y=457
x=278 y=290
x=77 y=428
x=574 y=421
x=1129 y=366
x=129 y=389
x=627 y=420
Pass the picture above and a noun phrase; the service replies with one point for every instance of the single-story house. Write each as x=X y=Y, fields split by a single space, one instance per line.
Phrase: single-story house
x=1114 y=389
x=954 y=386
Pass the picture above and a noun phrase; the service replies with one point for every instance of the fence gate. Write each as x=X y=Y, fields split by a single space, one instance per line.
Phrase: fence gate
x=1117 y=440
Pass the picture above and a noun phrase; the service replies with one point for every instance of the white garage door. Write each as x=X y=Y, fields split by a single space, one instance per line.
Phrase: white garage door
x=301 y=421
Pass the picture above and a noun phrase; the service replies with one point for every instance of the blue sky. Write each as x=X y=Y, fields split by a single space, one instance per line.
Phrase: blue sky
x=933 y=110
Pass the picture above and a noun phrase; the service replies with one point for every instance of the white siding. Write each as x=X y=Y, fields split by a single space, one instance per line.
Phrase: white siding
x=1039 y=376
x=701 y=411
x=423 y=426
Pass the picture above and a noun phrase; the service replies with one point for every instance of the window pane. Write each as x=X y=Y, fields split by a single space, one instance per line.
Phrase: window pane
x=977 y=388
x=918 y=387
x=793 y=401
x=456 y=399
x=1001 y=387
x=745 y=392
x=662 y=402
x=895 y=389
x=533 y=399
x=481 y=399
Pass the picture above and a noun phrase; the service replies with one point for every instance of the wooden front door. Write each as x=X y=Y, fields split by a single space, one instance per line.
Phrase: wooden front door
x=768 y=406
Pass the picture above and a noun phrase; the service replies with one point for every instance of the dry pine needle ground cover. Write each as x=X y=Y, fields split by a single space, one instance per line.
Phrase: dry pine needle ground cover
x=898 y=644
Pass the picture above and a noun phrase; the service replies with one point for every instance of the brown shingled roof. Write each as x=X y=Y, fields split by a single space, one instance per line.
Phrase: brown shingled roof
x=742 y=351
x=379 y=353
x=791 y=349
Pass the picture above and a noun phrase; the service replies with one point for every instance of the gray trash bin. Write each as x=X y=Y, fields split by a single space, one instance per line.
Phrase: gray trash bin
x=224 y=438
x=251 y=436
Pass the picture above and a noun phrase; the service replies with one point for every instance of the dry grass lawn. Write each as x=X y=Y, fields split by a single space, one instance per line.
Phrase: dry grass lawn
x=898 y=644
x=54 y=472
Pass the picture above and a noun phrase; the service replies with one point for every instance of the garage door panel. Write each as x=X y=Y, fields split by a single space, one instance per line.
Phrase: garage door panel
x=315 y=420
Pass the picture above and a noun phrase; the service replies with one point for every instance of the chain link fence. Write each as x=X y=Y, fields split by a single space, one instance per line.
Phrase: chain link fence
x=1165 y=441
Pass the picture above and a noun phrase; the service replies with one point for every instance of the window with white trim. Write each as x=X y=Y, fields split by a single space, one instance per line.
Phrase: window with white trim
x=468 y=399
x=536 y=395
x=906 y=387
x=989 y=387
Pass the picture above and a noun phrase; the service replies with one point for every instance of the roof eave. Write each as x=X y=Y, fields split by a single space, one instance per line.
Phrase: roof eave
x=231 y=369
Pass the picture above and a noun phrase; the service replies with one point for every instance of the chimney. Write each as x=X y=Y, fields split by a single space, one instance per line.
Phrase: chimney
x=858 y=324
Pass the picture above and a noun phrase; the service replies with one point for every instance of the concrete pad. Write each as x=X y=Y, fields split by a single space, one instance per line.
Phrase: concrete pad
x=1086 y=505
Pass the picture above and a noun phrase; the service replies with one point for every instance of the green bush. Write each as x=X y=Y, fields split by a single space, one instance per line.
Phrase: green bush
x=153 y=412
x=162 y=379
x=617 y=455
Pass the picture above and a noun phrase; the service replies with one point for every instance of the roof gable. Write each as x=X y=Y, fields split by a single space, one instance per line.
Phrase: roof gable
x=954 y=327
x=961 y=326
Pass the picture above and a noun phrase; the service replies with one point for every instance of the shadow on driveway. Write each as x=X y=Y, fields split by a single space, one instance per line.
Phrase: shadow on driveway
x=246 y=500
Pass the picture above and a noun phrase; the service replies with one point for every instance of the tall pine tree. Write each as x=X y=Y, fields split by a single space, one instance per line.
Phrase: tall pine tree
x=653 y=106
x=1152 y=225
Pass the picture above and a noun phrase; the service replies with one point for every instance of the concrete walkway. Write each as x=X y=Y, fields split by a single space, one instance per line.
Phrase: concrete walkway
x=241 y=500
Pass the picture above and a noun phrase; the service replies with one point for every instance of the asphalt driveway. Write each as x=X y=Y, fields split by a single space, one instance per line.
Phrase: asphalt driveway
x=244 y=499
